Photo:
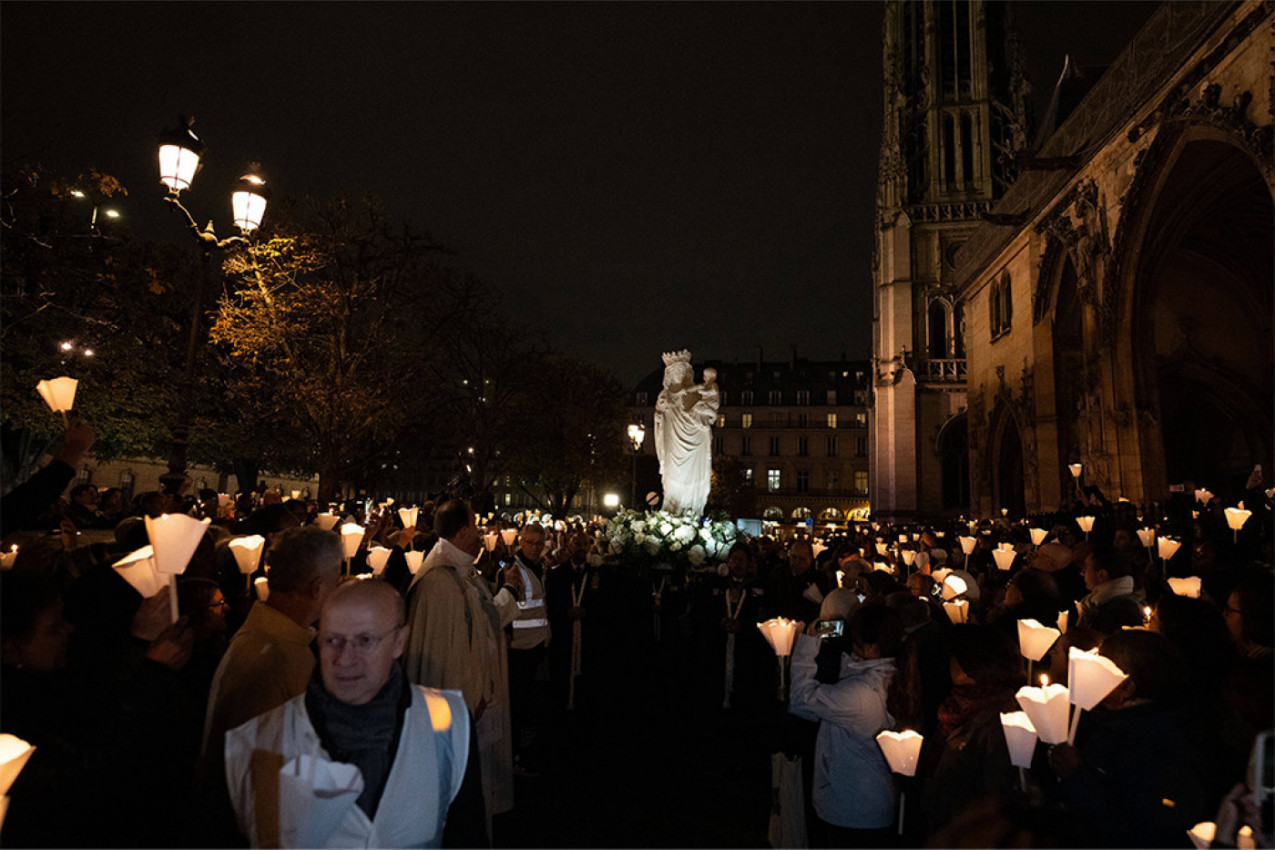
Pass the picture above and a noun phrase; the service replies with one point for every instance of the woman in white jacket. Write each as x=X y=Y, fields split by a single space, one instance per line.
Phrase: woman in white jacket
x=853 y=792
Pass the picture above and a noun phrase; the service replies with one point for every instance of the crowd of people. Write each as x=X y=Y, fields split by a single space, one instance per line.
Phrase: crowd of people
x=393 y=703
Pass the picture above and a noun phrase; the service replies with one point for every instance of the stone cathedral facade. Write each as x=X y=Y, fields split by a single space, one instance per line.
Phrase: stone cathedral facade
x=1118 y=296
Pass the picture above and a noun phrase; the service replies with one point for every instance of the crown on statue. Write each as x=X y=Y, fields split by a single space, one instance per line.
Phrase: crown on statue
x=671 y=357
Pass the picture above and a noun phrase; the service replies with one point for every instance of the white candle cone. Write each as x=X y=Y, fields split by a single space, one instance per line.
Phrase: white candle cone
x=779 y=633
x=327 y=521
x=138 y=569
x=953 y=586
x=1038 y=536
x=840 y=577
x=14 y=753
x=8 y=559
x=1075 y=469
x=409 y=516
x=817 y=547
x=175 y=537
x=1034 y=639
x=1189 y=586
x=901 y=750
x=247 y=552
x=1004 y=559
x=909 y=557
x=1020 y=736
x=351 y=537
x=967 y=544
x=1236 y=517
x=1147 y=536
x=903 y=538
x=377 y=558
x=882 y=567
x=940 y=575
x=262 y=585
x=1090 y=677
x=1202 y=834
x=881 y=548
x=1168 y=547
x=958 y=611
x=489 y=540
x=1047 y=707
x=58 y=394
x=1063 y=616
x=509 y=535
x=1203 y=496
x=1085 y=523
x=414 y=561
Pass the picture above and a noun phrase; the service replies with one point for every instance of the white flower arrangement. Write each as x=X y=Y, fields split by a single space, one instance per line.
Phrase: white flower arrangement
x=657 y=537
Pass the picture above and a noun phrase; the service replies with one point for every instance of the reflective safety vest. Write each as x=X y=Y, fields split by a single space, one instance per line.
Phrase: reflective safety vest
x=531 y=629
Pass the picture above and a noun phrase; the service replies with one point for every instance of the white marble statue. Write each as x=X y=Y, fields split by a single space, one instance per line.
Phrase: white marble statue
x=684 y=416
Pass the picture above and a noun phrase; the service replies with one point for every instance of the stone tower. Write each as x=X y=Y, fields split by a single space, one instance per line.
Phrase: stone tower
x=956 y=112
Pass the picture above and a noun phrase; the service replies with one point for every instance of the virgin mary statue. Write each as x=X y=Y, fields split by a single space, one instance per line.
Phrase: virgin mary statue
x=684 y=416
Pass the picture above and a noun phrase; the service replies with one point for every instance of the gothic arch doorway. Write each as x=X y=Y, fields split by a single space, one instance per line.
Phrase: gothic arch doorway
x=1202 y=302
x=954 y=459
x=1008 y=487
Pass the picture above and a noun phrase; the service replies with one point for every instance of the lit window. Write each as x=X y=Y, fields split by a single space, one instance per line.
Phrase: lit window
x=721 y=421
x=747 y=474
x=832 y=420
x=861 y=481
x=861 y=420
x=772 y=479
x=746 y=421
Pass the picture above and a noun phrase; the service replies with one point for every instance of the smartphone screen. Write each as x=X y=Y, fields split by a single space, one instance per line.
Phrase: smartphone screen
x=829 y=628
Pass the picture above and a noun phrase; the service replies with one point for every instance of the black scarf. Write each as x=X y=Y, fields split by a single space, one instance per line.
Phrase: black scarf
x=365 y=736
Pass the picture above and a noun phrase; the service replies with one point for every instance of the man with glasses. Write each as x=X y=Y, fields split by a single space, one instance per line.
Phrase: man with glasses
x=527 y=645
x=412 y=747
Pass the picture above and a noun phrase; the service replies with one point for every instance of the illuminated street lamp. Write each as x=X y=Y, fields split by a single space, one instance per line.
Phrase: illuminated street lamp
x=180 y=154
x=636 y=435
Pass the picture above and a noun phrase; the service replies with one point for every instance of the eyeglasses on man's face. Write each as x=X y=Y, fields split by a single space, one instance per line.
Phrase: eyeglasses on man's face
x=358 y=643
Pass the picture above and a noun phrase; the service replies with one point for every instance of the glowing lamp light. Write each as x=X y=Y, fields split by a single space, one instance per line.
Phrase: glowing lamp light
x=8 y=559
x=1147 y=536
x=901 y=750
x=1086 y=524
x=903 y=538
x=409 y=516
x=1004 y=558
x=14 y=753
x=1203 y=496
x=1035 y=639
x=967 y=544
x=1047 y=708
x=611 y=500
x=958 y=611
x=248 y=202
x=1188 y=587
x=1075 y=469
x=779 y=633
x=509 y=535
x=1004 y=511
x=58 y=394
x=414 y=561
x=1038 y=536
x=351 y=537
x=489 y=540
x=636 y=435
x=1235 y=518
x=1167 y=547
x=179 y=153
x=909 y=557
x=1020 y=736
x=247 y=552
x=261 y=585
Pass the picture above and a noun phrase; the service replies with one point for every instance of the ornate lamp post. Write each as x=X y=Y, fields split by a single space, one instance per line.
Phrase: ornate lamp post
x=636 y=435
x=180 y=151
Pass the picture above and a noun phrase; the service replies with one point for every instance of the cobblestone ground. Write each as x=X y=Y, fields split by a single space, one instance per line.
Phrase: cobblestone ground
x=649 y=758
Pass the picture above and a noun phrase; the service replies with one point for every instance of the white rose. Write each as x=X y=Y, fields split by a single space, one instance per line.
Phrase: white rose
x=652 y=547
x=684 y=535
x=696 y=555
x=665 y=527
x=676 y=547
x=639 y=539
x=638 y=525
x=616 y=547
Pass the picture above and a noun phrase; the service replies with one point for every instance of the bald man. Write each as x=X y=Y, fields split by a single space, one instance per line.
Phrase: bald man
x=410 y=746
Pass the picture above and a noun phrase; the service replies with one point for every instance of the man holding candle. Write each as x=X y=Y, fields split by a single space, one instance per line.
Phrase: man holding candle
x=1111 y=602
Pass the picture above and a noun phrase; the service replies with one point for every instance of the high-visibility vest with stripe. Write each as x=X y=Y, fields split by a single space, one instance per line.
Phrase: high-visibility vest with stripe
x=531 y=629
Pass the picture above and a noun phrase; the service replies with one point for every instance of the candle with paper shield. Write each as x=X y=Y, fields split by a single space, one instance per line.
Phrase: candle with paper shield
x=377 y=558
x=1075 y=469
x=1086 y=524
x=1189 y=586
x=1038 y=536
x=14 y=753
x=1004 y=557
x=58 y=394
x=1167 y=547
x=1047 y=707
x=509 y=535
x=953 y=586
x=780 y=633
x=901 y=750
x=8 y=559
x=326 y=521
x=1203 y=496
x=1063 y=616
x=958 y=611
x=174 y=539
x=1090 y=677
x=351 y=537
x=489 y=540
x=247 y=552
x=409 y=516
x=138 y=569
x=1020 y=737
x=816 y=547
x=1235 y=518
x=414 y=561
x=1034 y=640
x=909 y=557
x=881 y=548
x=967 y=544
x=262 y=585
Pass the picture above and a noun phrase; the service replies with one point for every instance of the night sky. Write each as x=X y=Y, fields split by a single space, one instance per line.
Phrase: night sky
x=633 y=177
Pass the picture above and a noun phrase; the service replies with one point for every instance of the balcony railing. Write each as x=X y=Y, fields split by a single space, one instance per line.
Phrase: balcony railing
x=945 y=370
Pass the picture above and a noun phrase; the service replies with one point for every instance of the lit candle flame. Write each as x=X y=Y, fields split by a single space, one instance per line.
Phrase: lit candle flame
x=1044 y=680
